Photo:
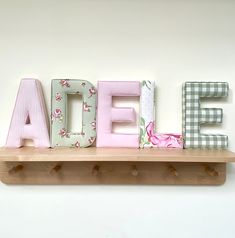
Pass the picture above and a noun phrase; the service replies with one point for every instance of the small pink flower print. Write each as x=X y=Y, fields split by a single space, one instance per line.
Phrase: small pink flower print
x=86 y=108
x=93 y=124
x=92 y=91
x=63 y=133
x=64 y=83
x=163 y=140
x=58 y=97
x=82 y=133
x=91 y=140
x=77 y=144
x=57 y=114
x=83 y=84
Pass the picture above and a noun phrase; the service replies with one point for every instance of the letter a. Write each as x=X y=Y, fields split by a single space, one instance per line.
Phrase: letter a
x=29 y=119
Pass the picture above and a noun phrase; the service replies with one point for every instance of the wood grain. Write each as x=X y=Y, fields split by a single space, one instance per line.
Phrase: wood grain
x=137 y=173
x=116 y=154
x=92 y=165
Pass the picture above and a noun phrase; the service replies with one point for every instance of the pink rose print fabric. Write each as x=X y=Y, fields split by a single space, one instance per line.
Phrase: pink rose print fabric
x=163 y=140
x=61 y=134
x=148 y=136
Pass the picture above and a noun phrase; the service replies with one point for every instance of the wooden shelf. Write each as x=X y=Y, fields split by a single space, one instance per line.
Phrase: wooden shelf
x=27 y=154
x=93 y=165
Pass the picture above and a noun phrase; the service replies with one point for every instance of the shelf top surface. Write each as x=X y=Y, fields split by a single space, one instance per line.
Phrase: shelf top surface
x=30 y=154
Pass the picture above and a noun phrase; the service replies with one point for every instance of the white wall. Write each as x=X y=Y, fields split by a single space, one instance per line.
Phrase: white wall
x=169 y=41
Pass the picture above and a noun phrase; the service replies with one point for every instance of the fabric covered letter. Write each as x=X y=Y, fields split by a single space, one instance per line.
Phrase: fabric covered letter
x=148 y=136
x=107 y=114
x=29 y=119
x=60 y=136
x=194 y=115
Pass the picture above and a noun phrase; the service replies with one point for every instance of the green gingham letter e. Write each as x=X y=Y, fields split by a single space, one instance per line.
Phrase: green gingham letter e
x=194 y=115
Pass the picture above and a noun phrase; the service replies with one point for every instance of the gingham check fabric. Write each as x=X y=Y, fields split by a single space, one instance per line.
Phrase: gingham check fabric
x=194 y=115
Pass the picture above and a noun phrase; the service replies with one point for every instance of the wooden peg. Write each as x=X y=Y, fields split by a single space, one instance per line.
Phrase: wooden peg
x=211 y=171
x=16 y=169
x=134 y=171
x=56 y=169
x=96 y=170
x=173 y=170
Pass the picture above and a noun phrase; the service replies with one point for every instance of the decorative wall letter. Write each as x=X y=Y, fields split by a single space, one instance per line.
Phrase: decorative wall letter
x=148 y=138
x=29 y=119
x=194 y=115
x=60 y=136
x=107 y=114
